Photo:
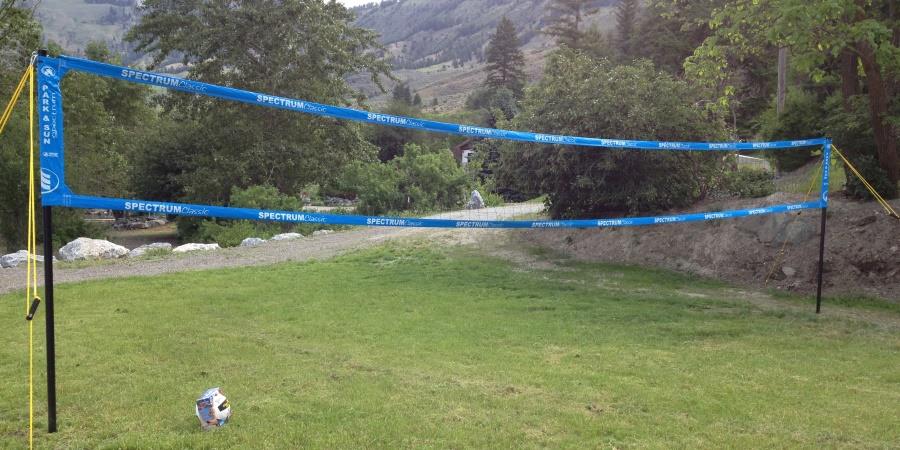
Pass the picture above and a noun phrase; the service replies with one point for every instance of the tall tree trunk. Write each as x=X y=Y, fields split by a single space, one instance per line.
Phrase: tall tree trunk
x=782 y=80
x=849 y=77
x=885 y=139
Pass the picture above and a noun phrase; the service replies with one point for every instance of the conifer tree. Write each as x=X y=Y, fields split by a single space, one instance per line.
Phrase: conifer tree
x=567 y=17
x=626 y=26
x=505 y=60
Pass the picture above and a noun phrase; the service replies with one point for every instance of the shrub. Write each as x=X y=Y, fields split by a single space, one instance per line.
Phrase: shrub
x=748 y=183
x=803 y=117
x=875 y=175
x=583 y=96
x=230 y=233
x=420 y=180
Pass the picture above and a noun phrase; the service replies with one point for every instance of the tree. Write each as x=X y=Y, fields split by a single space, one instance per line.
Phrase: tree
x=625 y=102
x=626 y=26
x=422 y=179
x=670 y=30
x=505 y=61
x=831 y=40
x=300 y=49
x=402 y=93
x=566 y=17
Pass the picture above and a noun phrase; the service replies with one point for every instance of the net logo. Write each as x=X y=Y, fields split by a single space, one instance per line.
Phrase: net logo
x=711 y=216
x=47 y=71
x=160 y=80
x=617 y=143
x=386 y=222
x=478 y=131
x=394 y=120
x=613 y=222
x=756 y=212
x=673 y=145
x=553 y=139
x=49 y=181
x=290 y=217
x=165 y=208
x=671 y=219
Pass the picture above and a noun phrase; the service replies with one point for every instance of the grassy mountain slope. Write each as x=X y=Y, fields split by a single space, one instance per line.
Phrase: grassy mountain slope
x=438 y=45
x=74 y=23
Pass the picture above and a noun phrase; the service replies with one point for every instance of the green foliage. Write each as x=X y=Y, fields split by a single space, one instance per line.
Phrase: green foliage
x=850 y=127
x=230 y=233
x=391 y=140
x=106 y=121
x=748 y=183
x=505 y=61
x=804 y=116
x=868 y=166
x=493 y=105
x=625 y=103
x=300 y=49
x=627 y=13
x=420 y=180
x=833 y=41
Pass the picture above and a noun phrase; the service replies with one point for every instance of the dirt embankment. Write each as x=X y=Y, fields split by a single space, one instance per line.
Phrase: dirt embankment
x=862 y=254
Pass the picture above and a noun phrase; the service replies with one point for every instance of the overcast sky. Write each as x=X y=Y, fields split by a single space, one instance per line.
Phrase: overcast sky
x=355 y=2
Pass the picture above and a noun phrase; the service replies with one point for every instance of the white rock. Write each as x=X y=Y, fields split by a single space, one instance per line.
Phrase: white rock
x=322 y=232
x=789 y=271
x=286 y=236
x=194 y=247
x=252 y=242
x=85 y=248
x=14 y=259
x=142 y=250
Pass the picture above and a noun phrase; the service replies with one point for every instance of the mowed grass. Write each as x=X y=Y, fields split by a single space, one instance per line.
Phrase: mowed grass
x=409 y=346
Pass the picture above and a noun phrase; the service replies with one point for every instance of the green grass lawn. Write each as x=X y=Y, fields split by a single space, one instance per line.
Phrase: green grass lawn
x=407 y=346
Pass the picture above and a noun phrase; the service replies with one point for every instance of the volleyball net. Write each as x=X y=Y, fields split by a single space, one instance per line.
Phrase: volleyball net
x=56 y=192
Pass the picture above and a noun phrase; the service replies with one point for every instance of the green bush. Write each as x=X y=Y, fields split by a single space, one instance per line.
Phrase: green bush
x=230 y=233
x=583 y=96
x=748 y=183
x=421 y=179
x=875 y=175
x=804 y=116
x=852 y=133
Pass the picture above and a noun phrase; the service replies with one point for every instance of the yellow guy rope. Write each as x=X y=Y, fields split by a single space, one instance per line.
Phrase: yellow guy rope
x=884 y=204
x=31 y=293
x=7 y=113
x=31 y=277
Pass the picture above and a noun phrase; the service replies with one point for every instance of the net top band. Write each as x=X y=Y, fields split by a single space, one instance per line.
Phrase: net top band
x=63 y=64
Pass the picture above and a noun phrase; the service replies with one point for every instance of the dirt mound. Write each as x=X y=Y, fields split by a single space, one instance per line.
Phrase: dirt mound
x=862 y=247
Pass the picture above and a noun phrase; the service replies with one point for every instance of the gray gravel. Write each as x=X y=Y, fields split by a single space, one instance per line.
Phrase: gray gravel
x=318 y=247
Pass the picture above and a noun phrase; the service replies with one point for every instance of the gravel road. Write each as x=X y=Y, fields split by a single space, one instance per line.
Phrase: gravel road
x=318 y=247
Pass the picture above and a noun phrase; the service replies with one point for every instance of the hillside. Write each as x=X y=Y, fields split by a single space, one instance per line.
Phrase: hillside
x=74 y=23
x=438 y=45
x=435 y=45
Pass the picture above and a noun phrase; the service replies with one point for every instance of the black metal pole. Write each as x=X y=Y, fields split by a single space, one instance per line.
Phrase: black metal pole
x=48 y=313
x=821 y=261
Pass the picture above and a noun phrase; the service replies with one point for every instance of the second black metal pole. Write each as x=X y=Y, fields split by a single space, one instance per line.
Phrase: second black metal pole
x=48 y=313
x=821 y=261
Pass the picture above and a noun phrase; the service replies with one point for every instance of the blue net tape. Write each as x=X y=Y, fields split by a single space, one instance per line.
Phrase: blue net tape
x=55 y=192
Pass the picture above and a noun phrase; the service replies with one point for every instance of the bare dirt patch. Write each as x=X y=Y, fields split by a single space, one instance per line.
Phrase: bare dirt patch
x=862 y=248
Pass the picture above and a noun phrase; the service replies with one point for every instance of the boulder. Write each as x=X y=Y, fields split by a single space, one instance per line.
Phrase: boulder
x=14 y=259
x=322 y=232
x=286 y=236
x=788 y=271
x=195 y=247
x=142 y=250
x=252 y=242
x=86 y=248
